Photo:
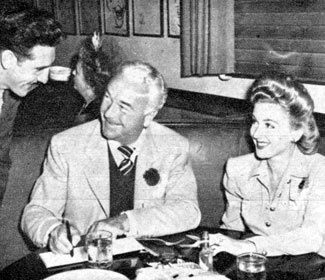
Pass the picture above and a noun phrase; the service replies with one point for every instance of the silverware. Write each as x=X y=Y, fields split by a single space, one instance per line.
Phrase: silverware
x=194 y=237
x=167 y=243
x=193 y=245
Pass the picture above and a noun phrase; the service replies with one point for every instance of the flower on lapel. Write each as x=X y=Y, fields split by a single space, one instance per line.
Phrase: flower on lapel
x=151 y=176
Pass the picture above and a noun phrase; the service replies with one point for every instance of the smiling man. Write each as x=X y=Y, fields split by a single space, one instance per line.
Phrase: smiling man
x=124 y=173
x=28 y=38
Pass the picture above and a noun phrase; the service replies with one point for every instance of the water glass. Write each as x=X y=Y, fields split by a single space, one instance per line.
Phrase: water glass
x=99 y=249
x=251 y=266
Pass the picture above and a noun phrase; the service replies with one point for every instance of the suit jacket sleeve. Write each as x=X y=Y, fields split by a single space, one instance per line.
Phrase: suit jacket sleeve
x=44 y=212
x=232 y=217
x=177 y=210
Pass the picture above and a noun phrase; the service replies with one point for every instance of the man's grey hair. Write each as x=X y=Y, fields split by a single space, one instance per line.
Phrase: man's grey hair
x=145 y=74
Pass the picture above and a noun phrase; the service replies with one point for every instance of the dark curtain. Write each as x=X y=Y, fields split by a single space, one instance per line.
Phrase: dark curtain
x=207 y=37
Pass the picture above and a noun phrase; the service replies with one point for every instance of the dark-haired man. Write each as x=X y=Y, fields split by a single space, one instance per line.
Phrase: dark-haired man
x=28 y=38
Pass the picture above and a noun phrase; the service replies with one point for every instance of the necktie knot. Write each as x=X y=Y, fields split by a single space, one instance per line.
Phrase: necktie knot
x=126 y=165
x=126 y=151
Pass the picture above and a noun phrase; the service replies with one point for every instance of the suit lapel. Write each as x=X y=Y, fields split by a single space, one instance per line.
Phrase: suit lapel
x=96 y=169
x=147 y=159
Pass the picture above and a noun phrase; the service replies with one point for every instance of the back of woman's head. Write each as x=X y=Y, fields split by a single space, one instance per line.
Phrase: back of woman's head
x=95 y=64
x=294 y=98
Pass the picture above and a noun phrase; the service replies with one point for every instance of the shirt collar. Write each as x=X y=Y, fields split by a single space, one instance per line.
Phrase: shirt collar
x=136 y=146
x=298 y=166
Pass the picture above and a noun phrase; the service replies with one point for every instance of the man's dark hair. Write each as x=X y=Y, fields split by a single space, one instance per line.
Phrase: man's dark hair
x=23 y=27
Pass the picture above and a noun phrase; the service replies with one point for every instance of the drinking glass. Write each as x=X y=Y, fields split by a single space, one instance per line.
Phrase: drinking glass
x=99 y=249
x=251 y=266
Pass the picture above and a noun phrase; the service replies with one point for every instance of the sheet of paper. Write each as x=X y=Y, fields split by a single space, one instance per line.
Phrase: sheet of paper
x=120 y=246
x=52 y=260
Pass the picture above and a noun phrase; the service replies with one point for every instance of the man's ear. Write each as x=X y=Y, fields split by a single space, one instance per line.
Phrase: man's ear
x=149 y=117
x=8 y=59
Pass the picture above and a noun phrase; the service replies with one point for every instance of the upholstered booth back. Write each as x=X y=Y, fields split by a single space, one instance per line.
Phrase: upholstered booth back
x=211 y=144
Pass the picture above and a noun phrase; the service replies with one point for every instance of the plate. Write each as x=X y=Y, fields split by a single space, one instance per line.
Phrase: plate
x=60 y=73
x=86 y=274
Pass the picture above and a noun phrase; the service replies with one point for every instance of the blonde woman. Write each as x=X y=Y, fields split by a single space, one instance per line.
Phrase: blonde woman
x=278 y=192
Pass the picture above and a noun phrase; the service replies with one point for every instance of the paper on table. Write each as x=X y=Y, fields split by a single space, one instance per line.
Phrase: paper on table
x=52 y=260
x=120 y=246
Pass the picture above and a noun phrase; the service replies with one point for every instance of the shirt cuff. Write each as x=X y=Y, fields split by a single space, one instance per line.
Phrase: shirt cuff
x=132 y=224
x=47 y=233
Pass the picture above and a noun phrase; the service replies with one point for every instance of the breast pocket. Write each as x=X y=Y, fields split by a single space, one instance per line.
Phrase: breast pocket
x=298 y=198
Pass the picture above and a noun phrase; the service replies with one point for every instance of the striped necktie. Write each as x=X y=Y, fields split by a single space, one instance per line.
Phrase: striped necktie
x=126 y=165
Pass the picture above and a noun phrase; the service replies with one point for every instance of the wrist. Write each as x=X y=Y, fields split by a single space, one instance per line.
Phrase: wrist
x=125 y=225
x=253 y=247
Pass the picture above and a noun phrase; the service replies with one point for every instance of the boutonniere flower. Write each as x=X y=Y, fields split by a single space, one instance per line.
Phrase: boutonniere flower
x=151 y=176
x=303 y=184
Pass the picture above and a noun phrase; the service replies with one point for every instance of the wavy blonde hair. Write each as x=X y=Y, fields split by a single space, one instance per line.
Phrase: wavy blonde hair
x=291 y=95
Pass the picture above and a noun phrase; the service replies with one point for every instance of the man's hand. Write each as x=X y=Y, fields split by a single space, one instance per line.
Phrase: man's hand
x=58 y=241
x=118 y=225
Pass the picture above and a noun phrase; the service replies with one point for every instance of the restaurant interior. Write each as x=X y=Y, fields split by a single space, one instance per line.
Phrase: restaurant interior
x=206 y=102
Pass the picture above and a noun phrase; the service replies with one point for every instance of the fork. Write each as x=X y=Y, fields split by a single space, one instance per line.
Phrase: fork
x=167 y=243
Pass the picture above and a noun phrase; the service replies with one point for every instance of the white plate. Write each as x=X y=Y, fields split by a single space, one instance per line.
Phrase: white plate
x=87 y=274
x=60 y=73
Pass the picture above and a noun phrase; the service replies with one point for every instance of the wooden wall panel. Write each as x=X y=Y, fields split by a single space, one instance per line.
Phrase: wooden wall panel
x=286 y=35
x=279 y=6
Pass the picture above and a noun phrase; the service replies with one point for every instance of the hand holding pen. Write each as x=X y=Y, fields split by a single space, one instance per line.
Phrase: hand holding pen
x=67 y=224
x=63 y=238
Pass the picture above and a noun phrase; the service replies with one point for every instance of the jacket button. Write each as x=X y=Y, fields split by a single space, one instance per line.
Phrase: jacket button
x=272 y=209
x=268 y=224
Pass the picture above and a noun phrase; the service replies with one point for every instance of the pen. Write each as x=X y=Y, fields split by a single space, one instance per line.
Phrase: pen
x=67 y=224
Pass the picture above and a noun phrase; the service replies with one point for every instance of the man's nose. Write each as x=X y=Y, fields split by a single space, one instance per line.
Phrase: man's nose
x=43 y=77
x=111 y=110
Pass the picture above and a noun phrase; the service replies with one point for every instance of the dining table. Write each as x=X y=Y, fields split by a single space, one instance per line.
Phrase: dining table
x=306 y=266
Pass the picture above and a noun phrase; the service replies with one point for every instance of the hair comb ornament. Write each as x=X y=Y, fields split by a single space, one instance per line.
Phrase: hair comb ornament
x=97 y=41
x=90 y=53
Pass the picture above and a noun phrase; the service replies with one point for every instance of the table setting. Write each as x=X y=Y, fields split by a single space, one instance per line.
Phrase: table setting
x=158 y=258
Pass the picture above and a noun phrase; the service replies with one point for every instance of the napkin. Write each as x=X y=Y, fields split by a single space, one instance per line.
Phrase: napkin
x=120 y=246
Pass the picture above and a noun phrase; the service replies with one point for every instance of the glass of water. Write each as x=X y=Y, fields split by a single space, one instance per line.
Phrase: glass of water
x=251 y=266
x=99 y=249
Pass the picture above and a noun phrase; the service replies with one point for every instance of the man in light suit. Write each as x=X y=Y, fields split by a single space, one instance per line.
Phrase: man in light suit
x=125 y=173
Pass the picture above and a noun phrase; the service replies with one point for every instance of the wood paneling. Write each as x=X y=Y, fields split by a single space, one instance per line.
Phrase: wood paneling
x=285 y=35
